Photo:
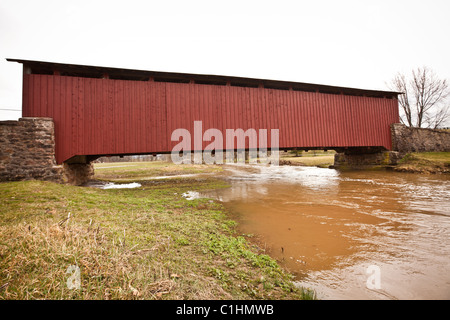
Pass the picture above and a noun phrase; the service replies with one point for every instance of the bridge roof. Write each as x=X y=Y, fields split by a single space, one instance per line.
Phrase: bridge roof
x=42 y=67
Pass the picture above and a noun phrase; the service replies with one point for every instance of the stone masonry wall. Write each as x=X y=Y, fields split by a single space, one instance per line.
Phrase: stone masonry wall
x=27 y=150
x=406 y=139
x=364 y=160
x=78 y=173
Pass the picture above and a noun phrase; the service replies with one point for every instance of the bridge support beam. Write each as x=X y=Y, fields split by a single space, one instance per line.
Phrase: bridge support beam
x=365 y=158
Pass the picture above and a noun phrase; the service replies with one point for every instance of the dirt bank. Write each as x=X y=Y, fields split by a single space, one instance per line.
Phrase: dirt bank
x=425 y=162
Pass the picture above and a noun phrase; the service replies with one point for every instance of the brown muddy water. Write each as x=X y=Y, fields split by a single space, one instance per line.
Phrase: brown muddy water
x=330 y=228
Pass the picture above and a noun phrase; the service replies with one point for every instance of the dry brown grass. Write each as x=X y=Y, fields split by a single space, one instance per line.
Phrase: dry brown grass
x=39 y=254
x=319 y=161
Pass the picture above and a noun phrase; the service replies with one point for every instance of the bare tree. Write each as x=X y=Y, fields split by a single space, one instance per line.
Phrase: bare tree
x=424 y=102
x=400 y=84
x=440 y=117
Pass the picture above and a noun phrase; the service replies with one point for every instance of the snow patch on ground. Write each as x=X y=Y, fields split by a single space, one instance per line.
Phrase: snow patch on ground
x=121 y=186
x=191 y=195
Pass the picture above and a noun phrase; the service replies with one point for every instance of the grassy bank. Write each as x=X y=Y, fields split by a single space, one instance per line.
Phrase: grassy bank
x=118 y=171
x=145 y=243
x=425 y=162
x=317 y=158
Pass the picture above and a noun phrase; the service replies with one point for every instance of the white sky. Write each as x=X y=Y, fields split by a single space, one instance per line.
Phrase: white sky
x=360 y=44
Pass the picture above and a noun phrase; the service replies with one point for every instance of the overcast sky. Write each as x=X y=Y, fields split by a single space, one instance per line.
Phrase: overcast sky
x=360 y=44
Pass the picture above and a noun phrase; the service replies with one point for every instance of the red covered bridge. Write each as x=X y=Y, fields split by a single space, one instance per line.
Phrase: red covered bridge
x=109 y=111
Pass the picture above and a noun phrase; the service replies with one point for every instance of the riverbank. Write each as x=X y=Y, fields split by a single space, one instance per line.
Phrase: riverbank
x=425 y=162
x=143 y=243
x=315 y=158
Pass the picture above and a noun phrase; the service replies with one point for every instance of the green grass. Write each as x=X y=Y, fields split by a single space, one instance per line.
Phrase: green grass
x=145 y=243
x=119 y=171
x=442 y=157
x=426 y=162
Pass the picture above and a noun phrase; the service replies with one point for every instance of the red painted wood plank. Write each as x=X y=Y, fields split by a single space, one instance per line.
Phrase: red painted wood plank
x=102 y=116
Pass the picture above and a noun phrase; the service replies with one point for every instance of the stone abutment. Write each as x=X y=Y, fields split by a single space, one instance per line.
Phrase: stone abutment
x=27 y=152
x=404 y=140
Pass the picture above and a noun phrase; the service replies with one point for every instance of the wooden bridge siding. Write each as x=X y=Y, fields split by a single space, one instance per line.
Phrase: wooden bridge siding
x=105 y=117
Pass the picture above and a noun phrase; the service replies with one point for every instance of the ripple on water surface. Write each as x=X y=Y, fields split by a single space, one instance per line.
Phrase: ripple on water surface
x=327 y=227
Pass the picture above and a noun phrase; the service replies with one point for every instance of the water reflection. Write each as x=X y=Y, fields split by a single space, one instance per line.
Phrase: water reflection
x=327 y=227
